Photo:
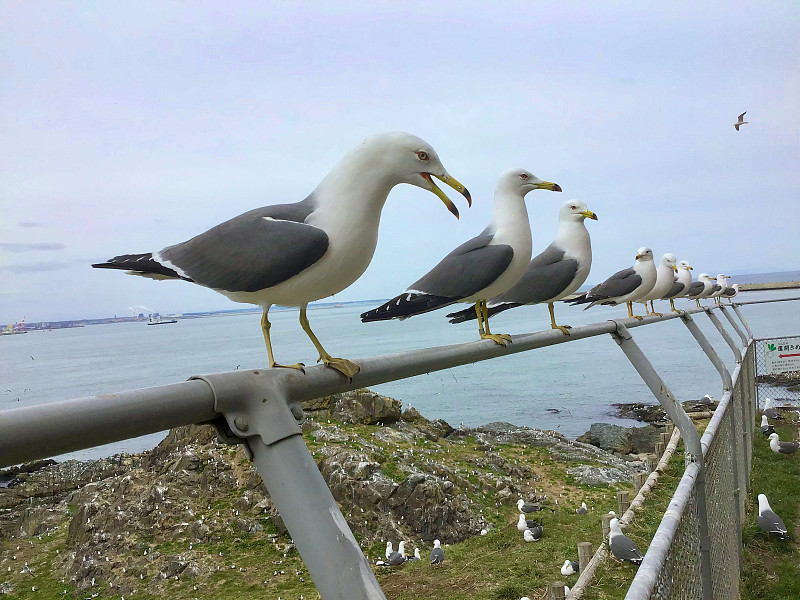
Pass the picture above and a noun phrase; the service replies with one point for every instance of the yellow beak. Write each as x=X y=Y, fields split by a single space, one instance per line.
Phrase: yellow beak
x=548 y=185
x=690 y=268
x=674 y=268
x=589 y=215
x=453 y=183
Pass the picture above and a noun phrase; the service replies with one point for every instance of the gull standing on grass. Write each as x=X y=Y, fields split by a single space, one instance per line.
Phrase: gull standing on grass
x=481 y=268
x=627 y=286
x=437 y=554
x=665 y=277
x=768 y=521
x=552 y=275
x=680 y=286
x=621 y=546
x=293 y=254
x=779 y=447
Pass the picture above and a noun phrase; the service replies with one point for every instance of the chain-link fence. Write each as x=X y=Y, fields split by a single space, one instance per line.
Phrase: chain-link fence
x=675 y=571
x=778 y=371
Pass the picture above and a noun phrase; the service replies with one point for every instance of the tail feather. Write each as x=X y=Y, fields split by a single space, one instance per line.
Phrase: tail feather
x=469 y=313
x=580 y=299
x=406 y=305
x=140 y=264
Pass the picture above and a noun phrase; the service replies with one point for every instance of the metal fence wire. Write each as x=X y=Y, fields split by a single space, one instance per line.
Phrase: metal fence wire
x=727 y=455
x=782 y=386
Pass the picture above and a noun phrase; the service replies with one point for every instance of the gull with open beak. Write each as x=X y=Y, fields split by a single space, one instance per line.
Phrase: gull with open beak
x=293 y=254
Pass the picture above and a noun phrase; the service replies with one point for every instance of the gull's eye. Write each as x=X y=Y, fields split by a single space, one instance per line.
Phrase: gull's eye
x=422 y=155
x=573 y=207
x=523 y=176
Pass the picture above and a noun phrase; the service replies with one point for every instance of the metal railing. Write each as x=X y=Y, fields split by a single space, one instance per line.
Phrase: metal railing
x=263 y=409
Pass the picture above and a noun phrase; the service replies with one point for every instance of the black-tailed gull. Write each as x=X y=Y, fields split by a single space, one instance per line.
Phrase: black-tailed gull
x=437 y=554
x=680 y=286
x=552 y=275
x=582 y=510
x=627 y=286
x=779 y=447
x=701 y=288
x=768 y=521
x=534 y=534
x=570 y=567
x=722 y=284
x=621 y=546
x=527 y=507
x=389 y=549
x=741 y=121
x=481 y=268
x=770 y=410
x=731 y=291
x=293 y=254
x=665 y=277
x=399 y=557
x=523 y=523
x=766 y=428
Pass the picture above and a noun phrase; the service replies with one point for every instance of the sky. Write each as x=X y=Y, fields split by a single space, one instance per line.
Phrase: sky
x=130 y=126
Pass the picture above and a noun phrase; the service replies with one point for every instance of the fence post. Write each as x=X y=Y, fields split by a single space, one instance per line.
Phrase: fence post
x=638 y=481
x=556 y=591
x=691 y=440
x=658 y=449
x=624 y=502
x=585 y=553
x=606 y=521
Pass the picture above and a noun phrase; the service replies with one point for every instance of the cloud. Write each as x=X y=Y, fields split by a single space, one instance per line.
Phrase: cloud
x=11 y=247
x=34 y=267
x=29 y=224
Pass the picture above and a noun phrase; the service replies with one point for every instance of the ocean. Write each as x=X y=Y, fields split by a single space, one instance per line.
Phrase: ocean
x=564 y=388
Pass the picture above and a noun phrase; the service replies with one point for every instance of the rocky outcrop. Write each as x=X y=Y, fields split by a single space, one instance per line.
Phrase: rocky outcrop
x=362 y=406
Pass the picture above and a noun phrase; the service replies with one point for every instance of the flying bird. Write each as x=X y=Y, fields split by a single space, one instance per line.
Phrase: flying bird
x=552 y=275
x=741 y=121
x=437 y=554
x=665 y=277
x=768 y=521
x=680 y=285
x=779 y=447
x=621 y=546
x=627 y=286
x=480 y=268
x=293 y=254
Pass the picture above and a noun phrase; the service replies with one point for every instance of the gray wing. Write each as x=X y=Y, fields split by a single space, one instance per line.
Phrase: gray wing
x=695 y=288
x=624 y=549
x=253 y=251
x=788 y=447
x=729 y=292
x=677 y=288
x=620 y=283
x=546 y=277
x=467 y=269
x=437 y=556
x=771 y=523
x=395 y=558
x=716 y=287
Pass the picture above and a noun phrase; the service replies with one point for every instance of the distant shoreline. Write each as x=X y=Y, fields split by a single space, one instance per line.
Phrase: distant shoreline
x=777 y=285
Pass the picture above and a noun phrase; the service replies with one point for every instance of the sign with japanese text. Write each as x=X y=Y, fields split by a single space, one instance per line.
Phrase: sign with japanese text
x=783 y=355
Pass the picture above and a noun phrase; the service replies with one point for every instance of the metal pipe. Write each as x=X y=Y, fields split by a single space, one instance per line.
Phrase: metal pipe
x=749 y=331
x=727 y=384
x=43 y=430
x=734 y=324
x=737 y=355
x=765 y=301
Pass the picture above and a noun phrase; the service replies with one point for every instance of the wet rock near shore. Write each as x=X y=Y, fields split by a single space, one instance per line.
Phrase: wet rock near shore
x=622 y=440
x=789 y=380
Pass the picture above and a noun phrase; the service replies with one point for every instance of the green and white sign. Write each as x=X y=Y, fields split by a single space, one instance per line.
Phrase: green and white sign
x=783 y=355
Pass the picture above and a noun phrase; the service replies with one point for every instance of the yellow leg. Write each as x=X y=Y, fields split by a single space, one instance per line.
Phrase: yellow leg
x=498 y=338
x=630 y=312
x=344 y=366
x=563 y=328
x=698 y=302
x=653 y=310
x=672 y=305
x=265 y=325
x=479 y=312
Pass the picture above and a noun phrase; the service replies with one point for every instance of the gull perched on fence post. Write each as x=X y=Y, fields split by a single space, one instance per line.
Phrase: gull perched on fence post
x=293 y=254
x=480 y=268
x=552 y=275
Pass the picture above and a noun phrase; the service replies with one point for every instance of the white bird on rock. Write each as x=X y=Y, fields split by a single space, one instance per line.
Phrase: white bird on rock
x=293 y=254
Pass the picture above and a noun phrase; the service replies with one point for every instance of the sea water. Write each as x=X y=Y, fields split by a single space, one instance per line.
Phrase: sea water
x=564 y=387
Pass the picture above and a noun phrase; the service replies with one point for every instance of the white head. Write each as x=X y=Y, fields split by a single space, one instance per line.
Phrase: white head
x=522 y=518
x=612 y=513
x=576 y=211
x=566 y=564
x=437 y=544
x=615 y=528
x=583 y=504
x=389 y=546
x=764 y=422
x=416 y=553
x=774 y=437
x=763 y=504
x=768 y=403
x=520 y=182
x=705 y=277
x=684 y=265
x=722 y=278
x=528 y=535
x=520 y=502
x=644 y=254
x=401 y=548
x=670 y=260
x=399 y=157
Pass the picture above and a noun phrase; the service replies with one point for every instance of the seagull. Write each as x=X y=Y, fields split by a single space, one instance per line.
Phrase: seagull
x=527 y=507
x=622 y=547
x=524 y=524
x=437 y=554
x=768 y=521
x=719 y=289
x=389 y=549
x=629 y=285
x=293 y=254
x=730 y=292
x=534 y=534
x=397 y=558
x=701 y=288
x=552 y=275
x=770 y=410
x=416 y=555
x=741 y=121
x=680 y=285
x=665 y=277
x=766 y=428
x=779 y=447
x=570 y=567
x=480 y=268
x=582 y=510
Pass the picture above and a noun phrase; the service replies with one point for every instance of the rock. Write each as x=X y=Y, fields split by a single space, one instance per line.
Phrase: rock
x=598 y=475
x=648 y=413
x=358 y=406
x=608 y=437
x=643 y=439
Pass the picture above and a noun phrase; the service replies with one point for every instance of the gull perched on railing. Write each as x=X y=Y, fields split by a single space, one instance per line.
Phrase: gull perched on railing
x=730 y=292
x=701 y=288
x=665 y=277
x=680 y=286
x=293 y=254
x=720 y=288
x=552 y=275
x=627 y=286
x=480 y=268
